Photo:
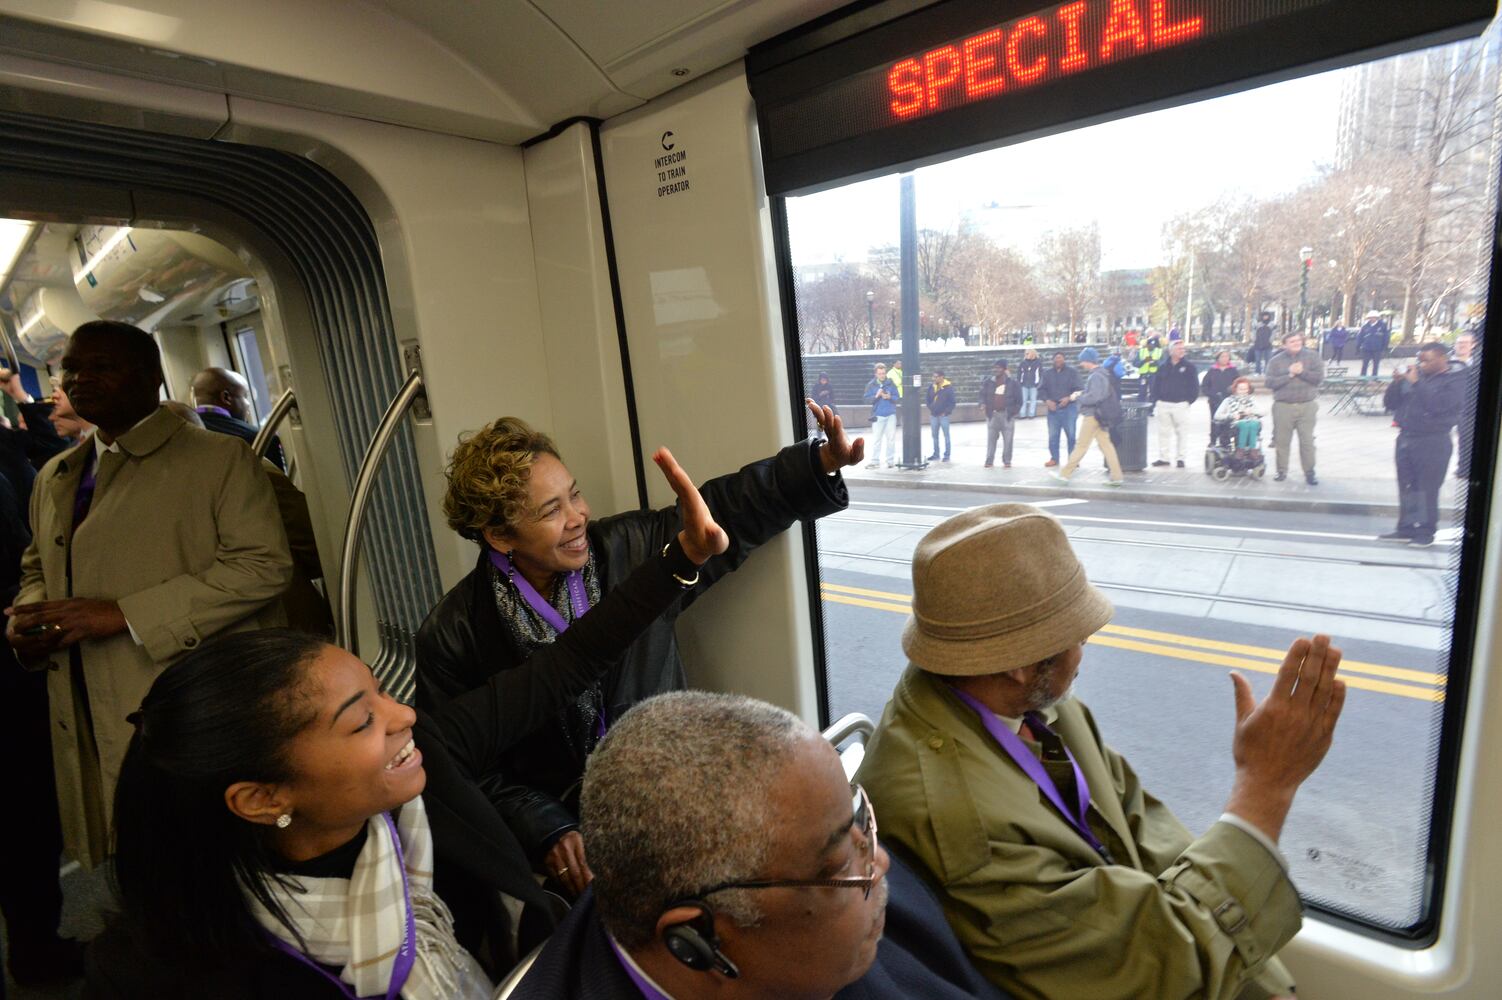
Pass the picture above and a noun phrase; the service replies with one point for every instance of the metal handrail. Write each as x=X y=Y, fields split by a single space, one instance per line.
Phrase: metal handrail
x=285 y=404
x=360 y=498
x=853 y=724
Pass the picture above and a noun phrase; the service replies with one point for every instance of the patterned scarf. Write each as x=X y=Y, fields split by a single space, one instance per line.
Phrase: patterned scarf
x=579 y=719
x=356 y=925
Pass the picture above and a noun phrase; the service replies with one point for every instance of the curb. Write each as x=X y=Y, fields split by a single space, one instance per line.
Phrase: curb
x=1244 y=501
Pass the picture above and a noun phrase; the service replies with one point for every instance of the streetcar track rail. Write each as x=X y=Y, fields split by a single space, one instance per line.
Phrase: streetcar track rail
x=1191 y=547
x=1259 y=602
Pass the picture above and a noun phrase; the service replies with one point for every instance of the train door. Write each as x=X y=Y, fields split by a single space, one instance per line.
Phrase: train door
x=975 y=210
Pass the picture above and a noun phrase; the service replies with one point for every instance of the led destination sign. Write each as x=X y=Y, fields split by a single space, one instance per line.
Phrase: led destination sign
x=859 y=94
x=1068 y=39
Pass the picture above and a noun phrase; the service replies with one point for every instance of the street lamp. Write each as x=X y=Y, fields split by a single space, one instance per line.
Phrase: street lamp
x=1306 y=254
x=871 y=316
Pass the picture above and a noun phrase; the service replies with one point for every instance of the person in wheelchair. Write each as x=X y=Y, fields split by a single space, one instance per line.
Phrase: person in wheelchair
x=1238 y=429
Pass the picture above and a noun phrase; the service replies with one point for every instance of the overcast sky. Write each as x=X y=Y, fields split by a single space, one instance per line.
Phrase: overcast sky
x=1130 y=175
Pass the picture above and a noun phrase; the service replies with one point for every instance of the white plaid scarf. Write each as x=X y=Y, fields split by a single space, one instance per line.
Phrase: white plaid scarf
x=356 y=925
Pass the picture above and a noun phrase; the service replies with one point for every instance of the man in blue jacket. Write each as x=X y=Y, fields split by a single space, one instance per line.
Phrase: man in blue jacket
x=1371 y=342
x=883 y=394
x=1427 y=400
x=749 y=874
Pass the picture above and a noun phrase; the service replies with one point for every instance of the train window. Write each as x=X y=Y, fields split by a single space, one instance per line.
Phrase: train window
x=253 y=366
x=1354 y=210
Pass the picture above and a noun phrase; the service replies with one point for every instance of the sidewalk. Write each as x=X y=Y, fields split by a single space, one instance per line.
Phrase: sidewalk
x=1355 y=469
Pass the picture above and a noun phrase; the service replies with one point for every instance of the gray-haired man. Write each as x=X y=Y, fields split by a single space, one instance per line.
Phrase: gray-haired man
x=1061 y=874
x=733 y=859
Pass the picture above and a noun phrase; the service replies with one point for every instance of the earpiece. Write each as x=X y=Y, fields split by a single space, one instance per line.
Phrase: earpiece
x=694 y=942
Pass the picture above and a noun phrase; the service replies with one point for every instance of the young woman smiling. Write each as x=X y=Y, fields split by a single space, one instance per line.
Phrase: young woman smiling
x=544 y=562
x=285 y=829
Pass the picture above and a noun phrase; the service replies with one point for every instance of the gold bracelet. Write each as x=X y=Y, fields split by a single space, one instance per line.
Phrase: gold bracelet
x=685 y=584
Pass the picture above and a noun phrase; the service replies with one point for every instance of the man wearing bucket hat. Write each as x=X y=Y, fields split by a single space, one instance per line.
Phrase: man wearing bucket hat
x=1060 y=874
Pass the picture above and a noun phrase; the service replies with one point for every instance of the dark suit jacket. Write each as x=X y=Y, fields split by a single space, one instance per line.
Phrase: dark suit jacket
x=220 y=424
x=918 y=956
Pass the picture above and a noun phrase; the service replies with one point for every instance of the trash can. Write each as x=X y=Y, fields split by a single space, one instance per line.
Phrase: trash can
x=1130 y=436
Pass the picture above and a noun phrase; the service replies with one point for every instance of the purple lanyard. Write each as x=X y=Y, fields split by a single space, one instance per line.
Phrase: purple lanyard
x=1034 y=769
x=577 y=598
x=401 y=967
x=648 y=991
x=576 y=595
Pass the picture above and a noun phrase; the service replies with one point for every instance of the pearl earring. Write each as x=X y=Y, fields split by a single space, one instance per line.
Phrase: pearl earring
x=283 y=821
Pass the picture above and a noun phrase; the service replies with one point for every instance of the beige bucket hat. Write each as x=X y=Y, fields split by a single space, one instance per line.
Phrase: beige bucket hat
x=997 y=588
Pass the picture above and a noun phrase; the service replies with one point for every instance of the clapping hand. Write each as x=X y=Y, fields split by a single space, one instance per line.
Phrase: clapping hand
x=701 y=537
x=838 y=450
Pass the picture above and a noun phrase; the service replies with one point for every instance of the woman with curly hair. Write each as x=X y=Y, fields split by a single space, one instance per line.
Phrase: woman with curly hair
x=544 y=563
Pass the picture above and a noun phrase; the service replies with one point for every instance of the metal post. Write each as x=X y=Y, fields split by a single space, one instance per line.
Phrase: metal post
x=871 y=316
x=285 y=404
x=349 y=556
x=1306 y=258
x=1189 y=306
x=912 y=413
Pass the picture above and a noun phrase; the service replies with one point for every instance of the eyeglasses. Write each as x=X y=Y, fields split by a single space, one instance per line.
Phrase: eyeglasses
x=865 y=821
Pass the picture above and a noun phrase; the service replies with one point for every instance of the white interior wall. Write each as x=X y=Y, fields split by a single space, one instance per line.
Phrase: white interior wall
x=699 y=292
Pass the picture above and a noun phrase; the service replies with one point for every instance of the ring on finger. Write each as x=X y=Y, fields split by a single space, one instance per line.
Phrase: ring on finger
x=561 y=872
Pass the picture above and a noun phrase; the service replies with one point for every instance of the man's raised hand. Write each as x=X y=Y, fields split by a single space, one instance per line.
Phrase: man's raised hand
x=1279 y=742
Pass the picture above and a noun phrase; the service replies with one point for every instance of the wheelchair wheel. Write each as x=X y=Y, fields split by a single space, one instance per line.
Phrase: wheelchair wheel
x=1221 y=473
x=1212 y=461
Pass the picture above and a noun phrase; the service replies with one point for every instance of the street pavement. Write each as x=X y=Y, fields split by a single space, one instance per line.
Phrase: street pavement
x=1354 y=452
x=1200 y=587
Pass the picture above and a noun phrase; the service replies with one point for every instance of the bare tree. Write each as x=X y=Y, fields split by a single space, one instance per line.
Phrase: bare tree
x=1069 y=260
x=990 y=286
x=834 y=313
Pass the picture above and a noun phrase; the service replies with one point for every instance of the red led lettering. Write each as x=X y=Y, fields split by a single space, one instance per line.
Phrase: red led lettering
x=1123 y=24
x=1172 y=34
x=1074 y=54
x=942 y=69
x=1017 y=54
x=1031 y=72
x=905 y=84
x=979 y=63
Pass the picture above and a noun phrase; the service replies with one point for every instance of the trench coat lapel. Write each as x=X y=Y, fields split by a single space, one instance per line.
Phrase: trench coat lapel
x=1104 y=798
x=64 y=485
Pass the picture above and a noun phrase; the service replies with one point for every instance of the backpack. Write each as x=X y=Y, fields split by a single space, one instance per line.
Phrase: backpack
x=1108 y=411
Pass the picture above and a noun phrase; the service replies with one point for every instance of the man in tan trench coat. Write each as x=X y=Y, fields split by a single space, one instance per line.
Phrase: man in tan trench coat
x=1062 y=876
x=178 y=540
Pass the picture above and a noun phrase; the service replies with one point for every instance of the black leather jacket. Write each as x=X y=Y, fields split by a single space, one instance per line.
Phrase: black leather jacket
x=464 y=641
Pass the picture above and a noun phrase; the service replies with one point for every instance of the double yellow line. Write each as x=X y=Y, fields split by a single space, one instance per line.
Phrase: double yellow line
x=1400 y=681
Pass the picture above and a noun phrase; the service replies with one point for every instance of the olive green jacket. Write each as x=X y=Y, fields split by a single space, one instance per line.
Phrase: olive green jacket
x=184 y=535
x=1041 y=914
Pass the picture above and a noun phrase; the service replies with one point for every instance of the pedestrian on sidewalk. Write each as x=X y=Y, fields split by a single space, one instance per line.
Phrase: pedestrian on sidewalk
x=1216 y=386
x=1175 y=386
x=1294 y=376
x=1001 y=395
x=1337 y=338
x=1262 y=342
x=896 y=373
x=940 y=406
x=883 y=396
x=1100 y=408
x=823 y=393
x=1057 y=387
x=1465 y=353
x=1371 y=342
x=1239 y=412
x=1149 y=357
x=1028 y=374
x=1427 y=400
